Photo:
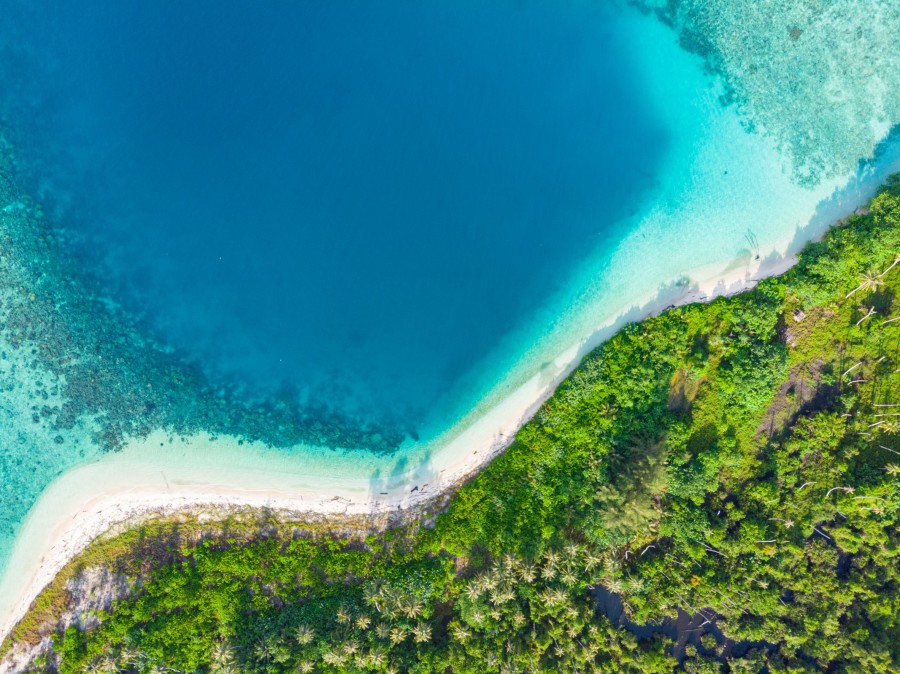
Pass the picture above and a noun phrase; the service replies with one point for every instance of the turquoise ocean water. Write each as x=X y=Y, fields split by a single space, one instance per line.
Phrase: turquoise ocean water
x=350 y=204
x=351 y=224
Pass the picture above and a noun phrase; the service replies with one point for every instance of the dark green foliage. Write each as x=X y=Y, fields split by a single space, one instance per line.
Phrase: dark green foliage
x=731 y=459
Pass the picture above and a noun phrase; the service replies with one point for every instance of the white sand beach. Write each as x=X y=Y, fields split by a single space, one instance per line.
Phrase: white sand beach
x=160 y=475
x=163 y=475
x=715 y=212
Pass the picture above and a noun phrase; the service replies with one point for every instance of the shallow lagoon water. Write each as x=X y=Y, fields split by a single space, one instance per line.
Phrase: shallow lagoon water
x=398 y=214
x=350 y=202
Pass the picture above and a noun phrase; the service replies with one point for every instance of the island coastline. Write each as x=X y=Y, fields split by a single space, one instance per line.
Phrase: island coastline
x=489 y=436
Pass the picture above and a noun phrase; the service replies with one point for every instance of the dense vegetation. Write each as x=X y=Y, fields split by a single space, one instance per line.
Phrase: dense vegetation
x=737 y=461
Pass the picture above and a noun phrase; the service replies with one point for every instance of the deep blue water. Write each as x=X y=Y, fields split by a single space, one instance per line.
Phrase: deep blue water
x=356 y=200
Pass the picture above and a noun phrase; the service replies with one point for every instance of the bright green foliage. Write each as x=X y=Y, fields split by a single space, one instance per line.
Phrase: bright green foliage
x=735 y=459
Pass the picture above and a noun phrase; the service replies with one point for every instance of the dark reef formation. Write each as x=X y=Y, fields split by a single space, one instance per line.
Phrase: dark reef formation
x=110 y=368
x=774 y=54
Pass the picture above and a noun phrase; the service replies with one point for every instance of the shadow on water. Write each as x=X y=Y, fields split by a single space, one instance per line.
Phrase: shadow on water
x=683 y=630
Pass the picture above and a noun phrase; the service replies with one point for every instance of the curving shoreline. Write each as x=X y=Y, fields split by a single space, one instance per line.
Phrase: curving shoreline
x=204 y=472
x=183 y=476
x=563 y=507
x=68 y=516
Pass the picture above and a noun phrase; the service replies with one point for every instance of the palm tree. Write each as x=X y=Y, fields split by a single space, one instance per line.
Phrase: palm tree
x=421 y=633
x=304 y=635
x=382 y=630
x=488 y=581
x=591 y=561
x=398 y=634
x=128 y=655
x=372 y=595
x=891 y=427
x=93 y=667
x=221 y=658
x=527 y=573
x=460 y=633
x=870 y=282
x=555 y=597
x=614 y=585
x=377 y=658
x=572 y=551
x=411 y=607
x=333 y=657
x=264 y=651
x=551 y=558
x=363 y=621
